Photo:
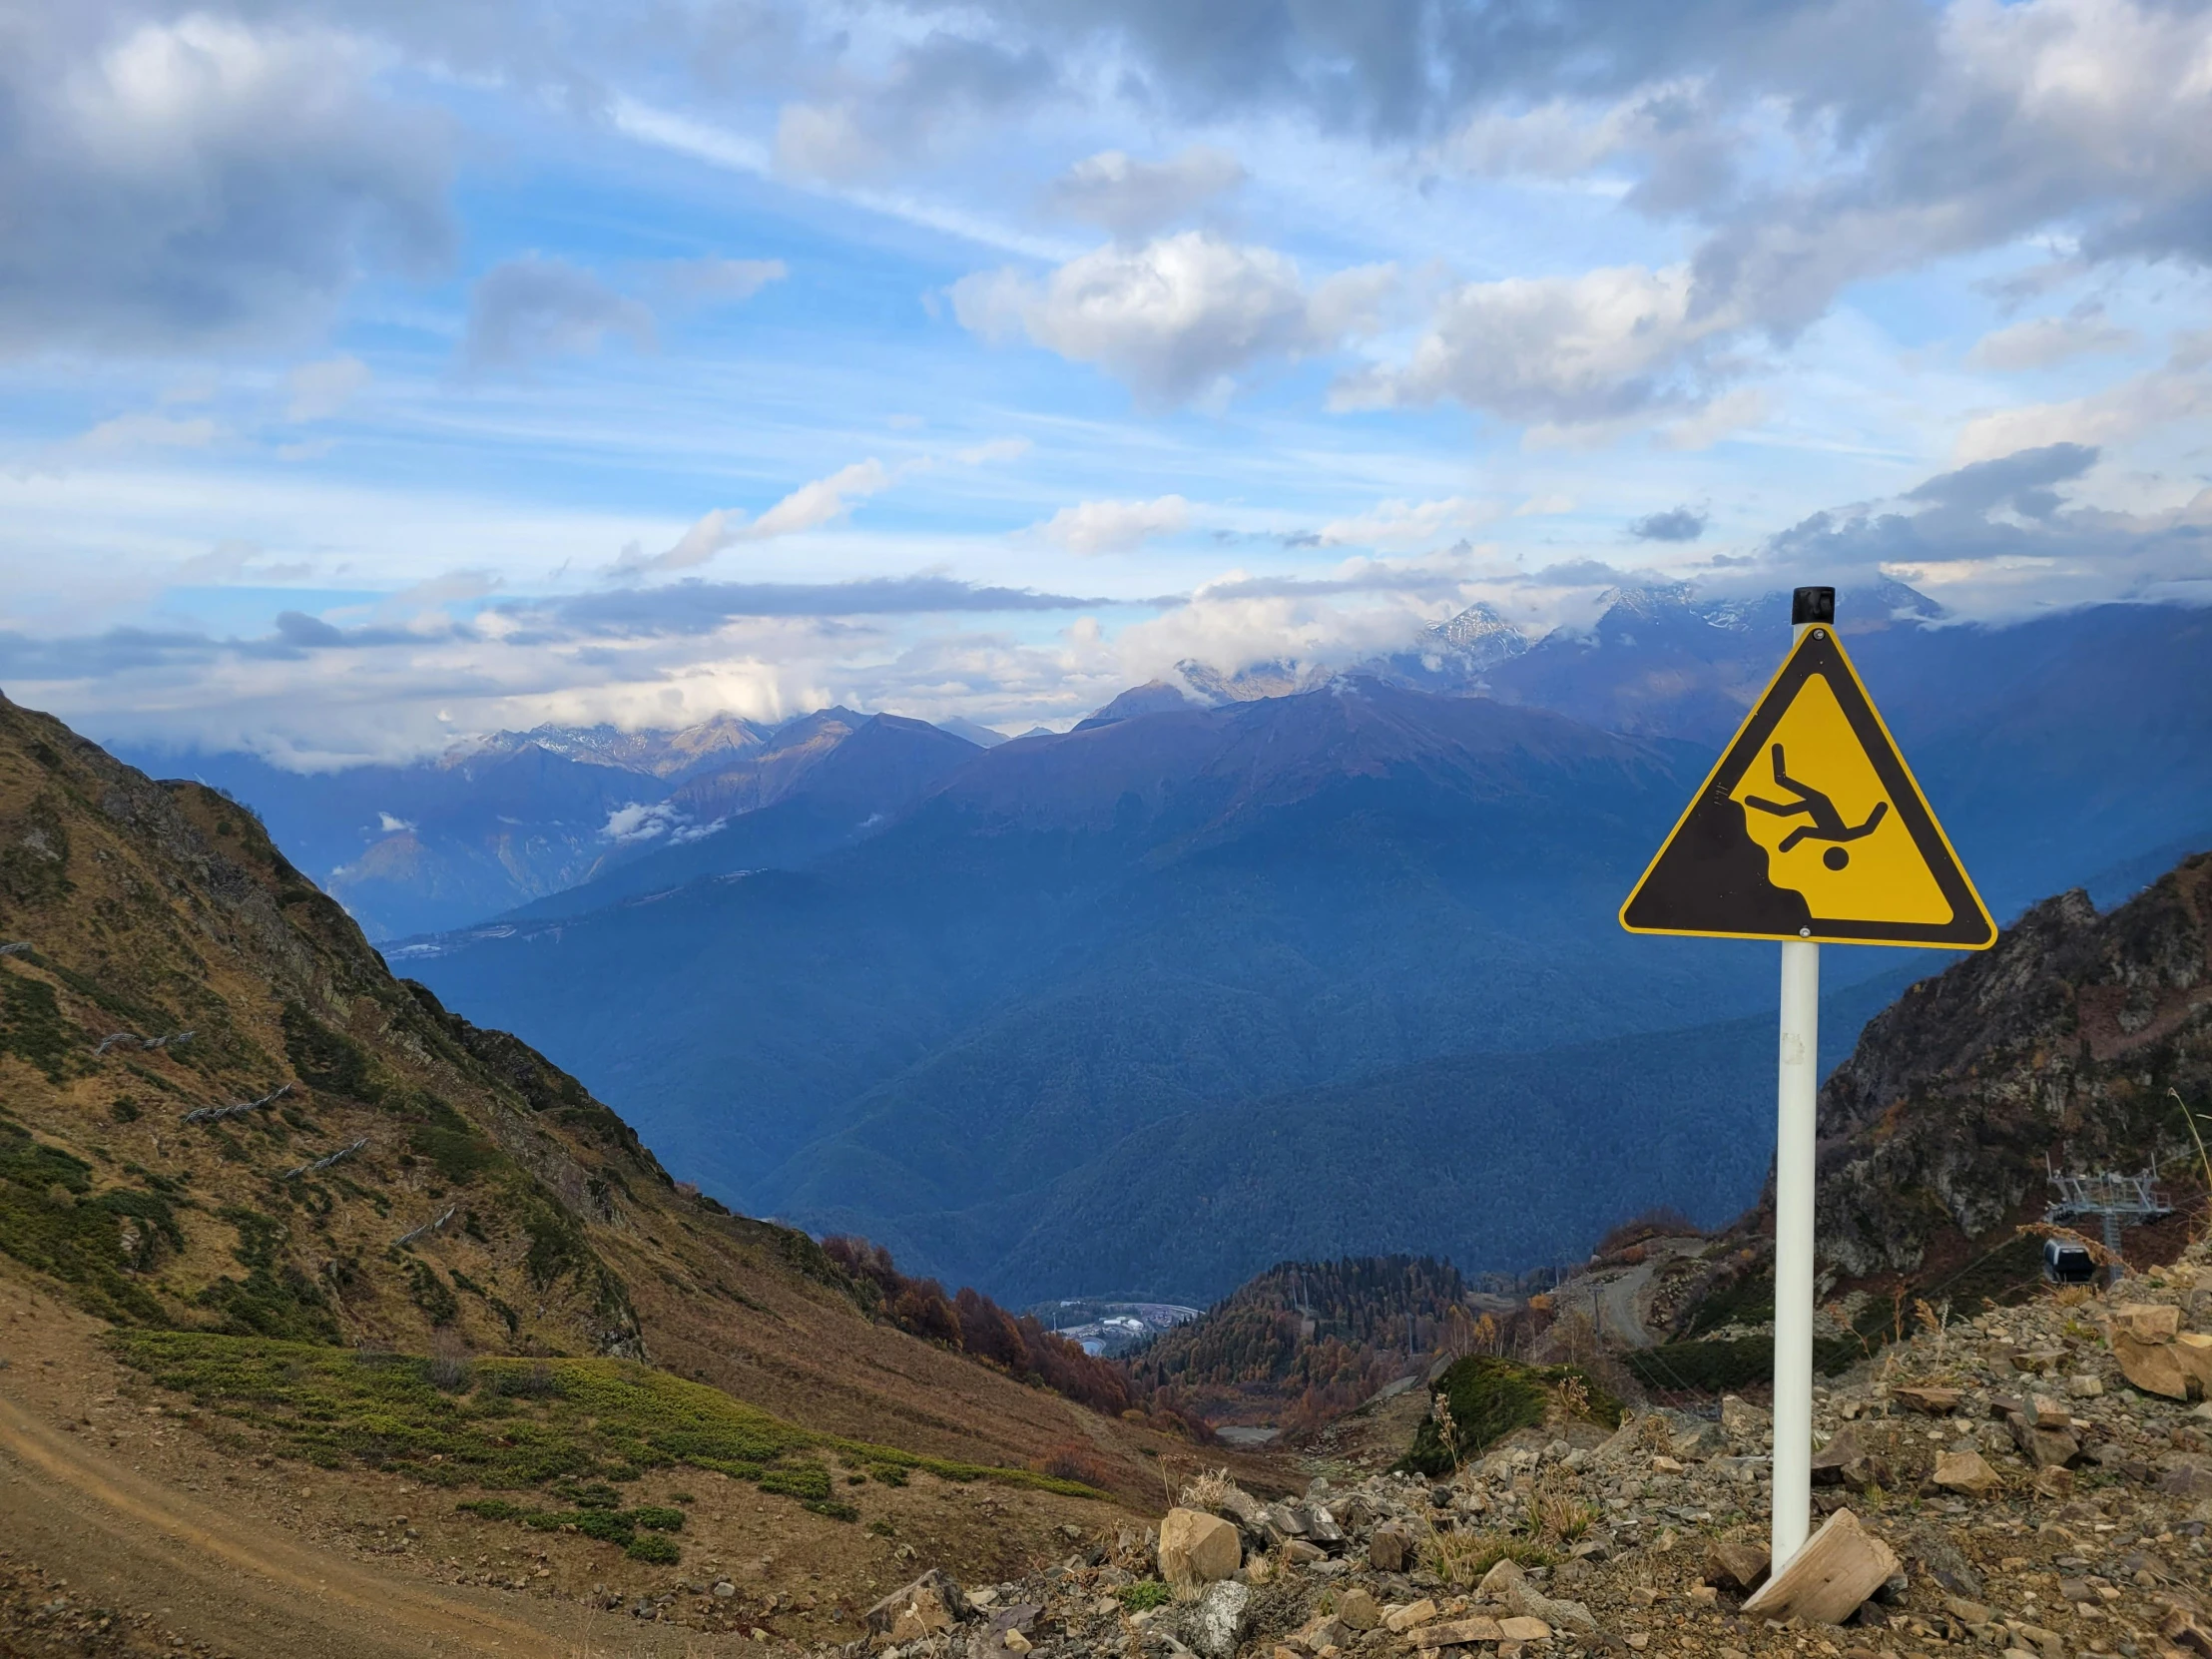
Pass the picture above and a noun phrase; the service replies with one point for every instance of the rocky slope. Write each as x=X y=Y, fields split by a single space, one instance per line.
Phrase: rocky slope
x=220 y=1112
x=2078 y=1037
x=2015 y=1491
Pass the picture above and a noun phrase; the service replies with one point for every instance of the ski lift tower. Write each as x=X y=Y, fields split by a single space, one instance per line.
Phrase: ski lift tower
x=2116 y=1201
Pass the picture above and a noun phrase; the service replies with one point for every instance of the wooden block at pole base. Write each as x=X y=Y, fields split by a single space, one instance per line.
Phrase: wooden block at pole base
x=1829 y=1578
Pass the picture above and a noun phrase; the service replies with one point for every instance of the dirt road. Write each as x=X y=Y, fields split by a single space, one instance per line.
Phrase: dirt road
x=125 y=1541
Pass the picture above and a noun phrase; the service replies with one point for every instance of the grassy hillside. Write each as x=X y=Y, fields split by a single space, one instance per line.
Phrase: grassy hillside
x=221 y=1115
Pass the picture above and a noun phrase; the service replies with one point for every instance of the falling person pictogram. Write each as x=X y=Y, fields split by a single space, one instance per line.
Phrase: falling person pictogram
x=1828 y=823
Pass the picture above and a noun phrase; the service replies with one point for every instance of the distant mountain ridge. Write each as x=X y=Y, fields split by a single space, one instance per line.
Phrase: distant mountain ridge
x=1020 y=1013
x=1087 y=987
x=499 y=821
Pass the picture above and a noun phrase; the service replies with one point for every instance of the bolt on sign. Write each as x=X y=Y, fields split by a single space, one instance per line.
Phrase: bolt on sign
x=1812 y=828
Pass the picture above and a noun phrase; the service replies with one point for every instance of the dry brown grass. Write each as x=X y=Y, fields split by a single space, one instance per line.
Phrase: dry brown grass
x=1208 y=1489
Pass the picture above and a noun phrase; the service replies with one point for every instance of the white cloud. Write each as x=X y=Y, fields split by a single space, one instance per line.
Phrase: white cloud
x=991 y=449
x=1178 y=316
x=148 y=431
x=319 y=391
x=1544 y=506
x=1404 y=525
x=1132 y=198
x=937 y=93
x=1115 y=526
x=201 y=181
x=1726 y=415
x=1563 y=350
x=629 y=826
x=807 y=507
x=534 y=307
x=2043 y=341
x=391 y=826
x=2179 y=391
x=721 y=282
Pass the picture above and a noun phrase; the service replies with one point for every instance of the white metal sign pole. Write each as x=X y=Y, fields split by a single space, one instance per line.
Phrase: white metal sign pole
x=1796 y=1092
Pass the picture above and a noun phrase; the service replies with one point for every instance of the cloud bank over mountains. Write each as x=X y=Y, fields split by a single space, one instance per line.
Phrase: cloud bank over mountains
x=370 y=375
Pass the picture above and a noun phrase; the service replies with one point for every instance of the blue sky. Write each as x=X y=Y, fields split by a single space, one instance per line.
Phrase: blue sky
x=375 y=375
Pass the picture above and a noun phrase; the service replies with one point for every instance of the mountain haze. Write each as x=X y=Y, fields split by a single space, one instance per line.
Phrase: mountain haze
x=1022 y=1013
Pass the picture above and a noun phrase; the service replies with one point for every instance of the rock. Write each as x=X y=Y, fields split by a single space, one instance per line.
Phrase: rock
x=1197 y=1548
x=1389 y=1550
x=1323 y=1630
x=724 y=1590
x=1321 y=1528
x=1742 y=1420
x=1013 y=1641
x=1936 y=1402
x=1301 y=1553
x=1845 y=1462
x=1506 y=1582
x=932 y=1605
x=2186 y=1629
x=1408 y=1619
x=1525 y=1629
x=2194 y=1355
x=1460 y=1633
x=1743 y=1470
x=1967 y=1472
x=1665 y=1465
x=1242 y=1507
x=2187 y=1480
x=1694 y=1438
x=2085 y=1386
x=1966 y=1612
x=1358 y=1610
x=1839 y=1567
x=2153 y=1367
x=2053 y=1482
x=2146 y=1322
x=1736 y=1561
x=1503 y=1578
x=2046 y=1447
x=1215 y=1624
x=2045 y=1412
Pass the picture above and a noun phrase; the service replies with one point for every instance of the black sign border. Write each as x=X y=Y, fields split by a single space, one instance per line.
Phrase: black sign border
x=1820 y=652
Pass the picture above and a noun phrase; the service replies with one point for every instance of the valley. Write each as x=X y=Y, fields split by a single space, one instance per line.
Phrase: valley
x=338 y=1323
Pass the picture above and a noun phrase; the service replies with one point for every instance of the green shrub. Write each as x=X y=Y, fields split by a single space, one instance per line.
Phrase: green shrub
x=52 y=1221
x=1718 y=1366
x=576 y=1427
x=451 y=1144
x=1146 y=1592
x=651 y=1548
x=31 y=1025
x=325 y=1059
x=1490 y=1396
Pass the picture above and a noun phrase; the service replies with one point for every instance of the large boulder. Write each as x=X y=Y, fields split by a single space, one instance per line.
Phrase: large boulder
x=1214 y=1623
x=1197 y=1548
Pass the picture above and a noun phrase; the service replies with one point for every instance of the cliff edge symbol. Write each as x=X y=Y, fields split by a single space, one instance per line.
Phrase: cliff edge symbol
x=1850 y=853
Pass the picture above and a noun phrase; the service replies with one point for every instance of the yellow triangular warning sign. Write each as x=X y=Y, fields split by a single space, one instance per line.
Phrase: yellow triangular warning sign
x=1812 y=828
